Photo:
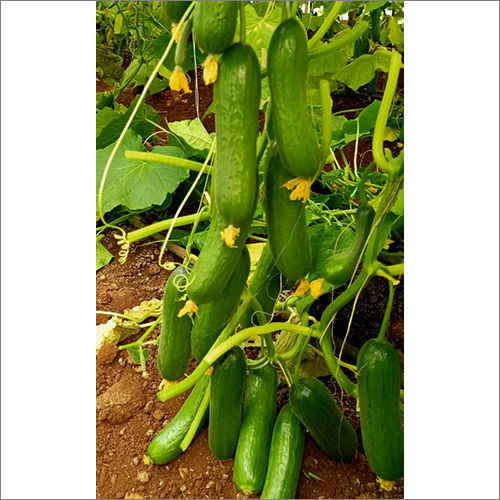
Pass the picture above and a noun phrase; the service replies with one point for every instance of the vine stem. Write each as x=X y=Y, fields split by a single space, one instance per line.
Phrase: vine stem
x=383 y=114
x=220 y=348
x=132 y=116
x=387 y=314
x=143 y=337
x=332 y=15
x=200 y=413
x=157 y=227
x=326 y=119
x=173 y=161
x=243 y=24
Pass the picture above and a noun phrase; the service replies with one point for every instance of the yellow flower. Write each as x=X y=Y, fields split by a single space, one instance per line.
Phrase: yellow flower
x=189 y=308
x=388 y=241
x=210 y=70
x=210 y=370
x=317 y=287
x=164 y=384
x=146 y=460
x=176 y=32
x=302 y=288
x=300 y=188
x=385 y=484
x=229 y=235
x=178 y=81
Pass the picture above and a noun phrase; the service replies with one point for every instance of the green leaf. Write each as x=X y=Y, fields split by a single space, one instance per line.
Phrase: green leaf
x=325 y=67
x=157 y=86
x=102 y=254
x=193 y=132
x=396 y=34
x=369 y=6
x=399 y=206
x=366 y=119
x=110 y=64
x=134 y=354
x=102 y=118
x=136 y=184
x=113 y=129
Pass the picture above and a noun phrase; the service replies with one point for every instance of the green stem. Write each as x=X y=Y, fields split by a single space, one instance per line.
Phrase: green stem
x=328 y=21
x=195 y=424
x=243 y=24
x=334 y=367
x=157 y=227
x=387 y=314
x=167 y=160
x=326 y=119
x=191 y=236
x=338 y=43
x=303 y=342
x=396 y=269
x=132 y=116
x=262 y=321
x=383 y=114
x=143 y=337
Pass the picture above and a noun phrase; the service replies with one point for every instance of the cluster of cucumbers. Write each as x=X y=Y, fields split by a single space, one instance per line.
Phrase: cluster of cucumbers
x=242 y=421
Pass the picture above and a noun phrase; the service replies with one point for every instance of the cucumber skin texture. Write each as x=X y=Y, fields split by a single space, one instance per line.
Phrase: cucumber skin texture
x=254 y=441
x=175 y=10
x=165 y=446
x=287 y=71
x=285 y=457
x=226 y=398
x=265 y=286
x=379 y=382
x=314 y=406
x=286 y=223
x=216 y=262
x=213 y=316
x=174 y=349
x=214 y=25
x=237 y=99
x=338 y=268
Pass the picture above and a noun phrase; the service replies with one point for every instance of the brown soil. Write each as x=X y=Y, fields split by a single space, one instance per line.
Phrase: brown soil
x=128 y=411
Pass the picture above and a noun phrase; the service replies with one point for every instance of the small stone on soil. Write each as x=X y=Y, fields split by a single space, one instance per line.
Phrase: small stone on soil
x=143 y=477
x=158 y=414
x=107 y=354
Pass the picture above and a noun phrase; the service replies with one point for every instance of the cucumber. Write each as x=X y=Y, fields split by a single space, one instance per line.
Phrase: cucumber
x=285 y=456
x=338 y=269
x=213 y=316
x=174 y=349
x=216 y=262
x=237 y=99
x=259 y=413
x=286 y=222
x=287 y=70
x=175 y=10
x=379 y=383
x=214 y=25
x=265 y=286
x=226 y=398
x=165 y=446
x=315 y=407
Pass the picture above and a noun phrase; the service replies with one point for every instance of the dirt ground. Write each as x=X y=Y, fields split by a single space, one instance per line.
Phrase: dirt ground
x=128 y=411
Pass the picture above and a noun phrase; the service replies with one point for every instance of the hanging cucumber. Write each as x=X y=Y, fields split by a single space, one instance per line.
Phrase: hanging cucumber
x=216 y=262
x=178 y=80
x=285 y=456
x=213 y=316
x=259 y=413
x=287 y=70
x=286 y=222
x=315 y=407
x=214 y=26
x=237 y=99
x=265 y=286
x=379 y=383
x=165 y=446
x=174 y=349
x=226 y=398
x=338 y=268
x=174 y=10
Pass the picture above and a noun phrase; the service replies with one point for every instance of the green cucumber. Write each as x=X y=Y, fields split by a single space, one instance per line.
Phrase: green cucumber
x=174 y=349
x=254 y=441
x=213 y=316
x=237 y=99
x=216 y=262
x=180 y=50
x=226 y=398
x=214 y=25
x=165 y=446
x=338 y=268
x=265 y=286
x=286 y=222
x=285 y=456
x=379 y=384
x=315 y=407
x=174 y=10
x=287 y=63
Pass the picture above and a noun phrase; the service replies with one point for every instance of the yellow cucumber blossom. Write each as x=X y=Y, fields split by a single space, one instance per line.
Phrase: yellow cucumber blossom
x=300 y=188
x=176 y=32
x=178 y=81
x=385 y=484
x=229 y=235
x=189 y=308
x=210 y=70
x=302 y=288
x=316 y=287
